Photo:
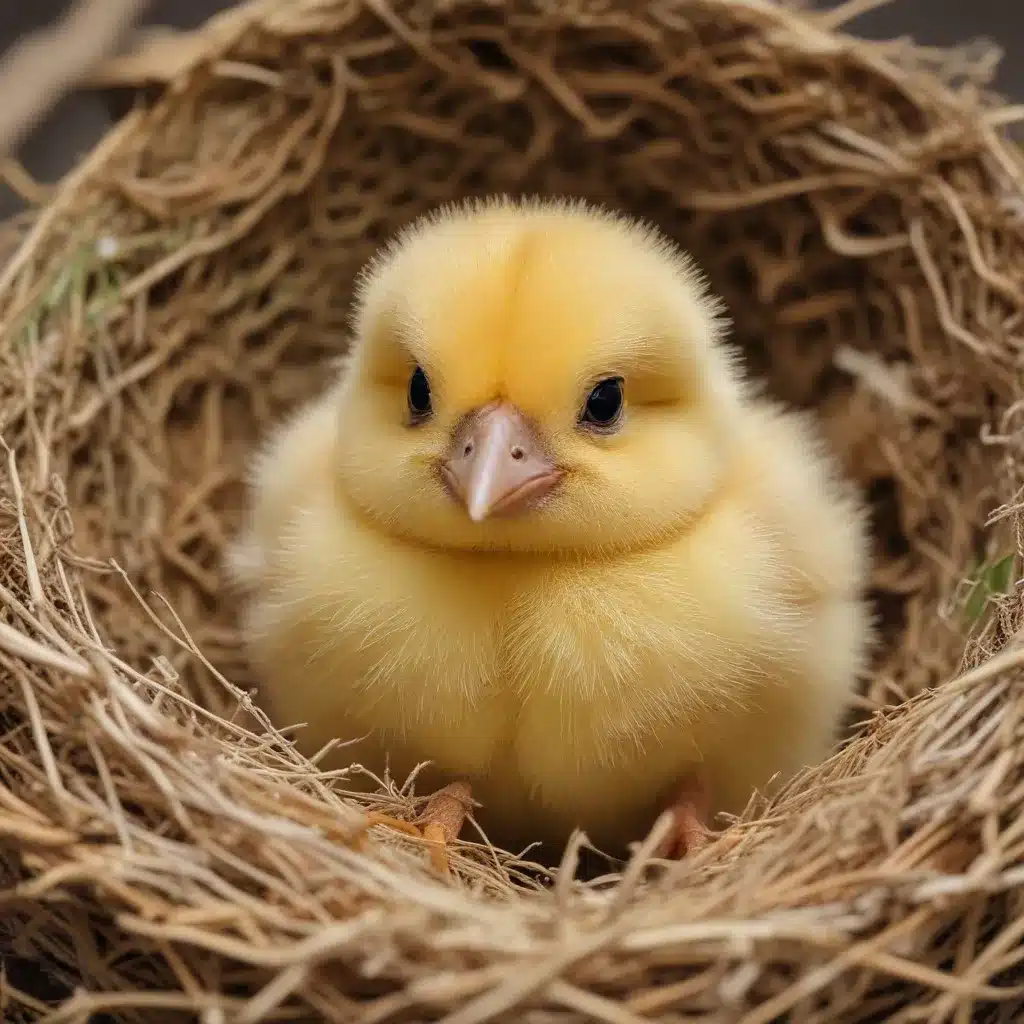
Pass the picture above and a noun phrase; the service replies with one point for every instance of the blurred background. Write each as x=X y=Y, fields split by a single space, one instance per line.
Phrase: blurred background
x=79 y=121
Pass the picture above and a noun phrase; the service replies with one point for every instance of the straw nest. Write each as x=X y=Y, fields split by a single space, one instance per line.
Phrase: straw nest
x=164 y=854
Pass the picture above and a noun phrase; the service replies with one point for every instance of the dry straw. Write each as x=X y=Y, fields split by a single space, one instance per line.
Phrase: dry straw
x=165 y=855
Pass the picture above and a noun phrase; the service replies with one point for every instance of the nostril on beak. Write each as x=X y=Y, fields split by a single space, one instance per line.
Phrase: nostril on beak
x=497 y=464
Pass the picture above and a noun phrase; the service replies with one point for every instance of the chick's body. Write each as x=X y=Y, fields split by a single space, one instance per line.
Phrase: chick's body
x=682 y=595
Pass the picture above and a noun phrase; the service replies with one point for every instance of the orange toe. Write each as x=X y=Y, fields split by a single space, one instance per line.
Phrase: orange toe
x=690 y=808
x=442 y=820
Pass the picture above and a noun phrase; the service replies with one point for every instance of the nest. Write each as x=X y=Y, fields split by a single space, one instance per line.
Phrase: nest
x=166 y=854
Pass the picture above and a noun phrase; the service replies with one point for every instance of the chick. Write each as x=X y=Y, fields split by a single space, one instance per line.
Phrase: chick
x=541 y=534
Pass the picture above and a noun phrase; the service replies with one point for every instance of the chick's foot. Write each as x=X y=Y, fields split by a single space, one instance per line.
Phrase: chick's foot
x=443 y=818
x=440 y=823
x=690 y=808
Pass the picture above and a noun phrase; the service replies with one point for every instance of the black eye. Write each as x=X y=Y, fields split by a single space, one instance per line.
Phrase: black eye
x=604 y=403
x=419 y=395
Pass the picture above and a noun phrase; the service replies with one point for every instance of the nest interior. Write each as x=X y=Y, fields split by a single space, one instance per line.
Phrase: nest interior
x=856 y=208
x=812 y=212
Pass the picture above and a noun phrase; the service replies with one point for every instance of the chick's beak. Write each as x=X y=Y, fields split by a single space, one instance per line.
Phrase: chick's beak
x=497 y=465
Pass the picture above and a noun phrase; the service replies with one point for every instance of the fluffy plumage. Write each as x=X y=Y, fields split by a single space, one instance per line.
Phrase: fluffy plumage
x=680 y=599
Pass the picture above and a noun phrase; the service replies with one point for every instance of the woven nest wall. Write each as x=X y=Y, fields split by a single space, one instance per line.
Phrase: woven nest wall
x=164 y=853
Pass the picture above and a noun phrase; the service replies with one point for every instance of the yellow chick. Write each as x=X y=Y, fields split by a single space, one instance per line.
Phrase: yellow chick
x=542 y=535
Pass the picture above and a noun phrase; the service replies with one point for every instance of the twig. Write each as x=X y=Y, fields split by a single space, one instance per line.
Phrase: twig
x=41 y=68
x=156 y=55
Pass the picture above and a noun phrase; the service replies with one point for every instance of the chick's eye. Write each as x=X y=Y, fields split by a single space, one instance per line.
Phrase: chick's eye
x=419 y=394
x=604 y=403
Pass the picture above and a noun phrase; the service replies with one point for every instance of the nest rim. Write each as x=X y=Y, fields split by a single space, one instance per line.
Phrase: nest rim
x=530 y=954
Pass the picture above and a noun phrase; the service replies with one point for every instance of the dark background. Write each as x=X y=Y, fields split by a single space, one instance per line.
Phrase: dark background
x=81 y=119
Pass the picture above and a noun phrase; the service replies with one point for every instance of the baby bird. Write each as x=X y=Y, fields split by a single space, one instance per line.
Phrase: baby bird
x=541 y=534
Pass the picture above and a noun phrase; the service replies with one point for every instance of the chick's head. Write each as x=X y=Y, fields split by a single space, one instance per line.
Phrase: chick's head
x=534 y=376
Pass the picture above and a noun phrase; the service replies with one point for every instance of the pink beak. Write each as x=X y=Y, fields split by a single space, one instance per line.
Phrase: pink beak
x=497 y=465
